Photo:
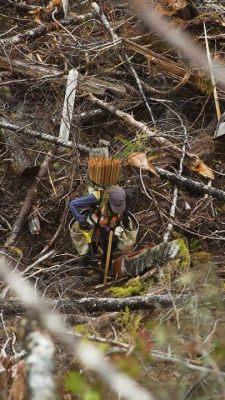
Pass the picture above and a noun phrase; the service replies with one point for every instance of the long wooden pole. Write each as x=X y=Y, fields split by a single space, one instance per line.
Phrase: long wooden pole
x=108 y=255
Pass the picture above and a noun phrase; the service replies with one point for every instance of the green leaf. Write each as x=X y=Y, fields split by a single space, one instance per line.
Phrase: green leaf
x=75 y=383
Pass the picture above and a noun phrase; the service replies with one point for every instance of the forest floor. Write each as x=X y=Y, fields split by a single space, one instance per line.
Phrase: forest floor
x=176 y=351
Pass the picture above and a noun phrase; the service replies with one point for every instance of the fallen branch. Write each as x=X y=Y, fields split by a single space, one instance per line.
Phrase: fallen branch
x=185 y=363
x=191 y=160
x=35 y=71
x=27 y=204
x=194 y=77
x=182 y=41
x=179 y=85
x=43 y=136
x=31 y=34
x=108 y=304
x=156 y=355
x=41 y=30
x=145 y=302
x=85 y=83
x=191 y=185
x=173 y=207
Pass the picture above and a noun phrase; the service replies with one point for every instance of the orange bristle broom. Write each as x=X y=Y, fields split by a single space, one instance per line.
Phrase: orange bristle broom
x=103 y=171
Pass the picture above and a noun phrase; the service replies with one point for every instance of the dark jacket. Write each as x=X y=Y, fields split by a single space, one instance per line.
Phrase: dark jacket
x=90 y=202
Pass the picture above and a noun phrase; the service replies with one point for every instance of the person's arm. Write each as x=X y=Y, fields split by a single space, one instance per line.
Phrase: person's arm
x=81 y=203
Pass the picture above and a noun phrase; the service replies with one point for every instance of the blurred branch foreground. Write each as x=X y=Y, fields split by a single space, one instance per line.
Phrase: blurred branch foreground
x=41 y=349
x=144 y=101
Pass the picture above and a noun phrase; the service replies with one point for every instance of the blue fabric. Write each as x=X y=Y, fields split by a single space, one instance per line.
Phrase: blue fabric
x=79 y=204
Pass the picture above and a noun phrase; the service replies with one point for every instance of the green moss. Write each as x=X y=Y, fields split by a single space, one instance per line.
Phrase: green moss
x=129 y=323
x=133 y=288
x=15 y=251
x=183 y=255
x=82 y=329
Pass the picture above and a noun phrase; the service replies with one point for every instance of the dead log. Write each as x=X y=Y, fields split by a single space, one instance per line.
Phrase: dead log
x=28 y=201
x=108 y=304
x=35 y=71
x=85 y=83
x=145 y=302
x=191 y=185
x=42 y=136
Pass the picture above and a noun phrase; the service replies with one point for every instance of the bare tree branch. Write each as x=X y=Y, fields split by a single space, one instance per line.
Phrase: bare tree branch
x=89 y=355
x=42 y=136
x=191 y=185
x=94 y=304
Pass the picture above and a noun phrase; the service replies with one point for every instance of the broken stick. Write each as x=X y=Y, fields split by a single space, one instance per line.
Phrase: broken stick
x=108 y=256
x=110 y=304
x=68 y=105
x=43 y=136
x=191 y=185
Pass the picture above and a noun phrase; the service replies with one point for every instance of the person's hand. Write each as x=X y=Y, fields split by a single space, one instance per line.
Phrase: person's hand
x=85 y=226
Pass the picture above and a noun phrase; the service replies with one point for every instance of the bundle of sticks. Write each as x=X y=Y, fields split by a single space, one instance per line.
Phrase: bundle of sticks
x=103 y=171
